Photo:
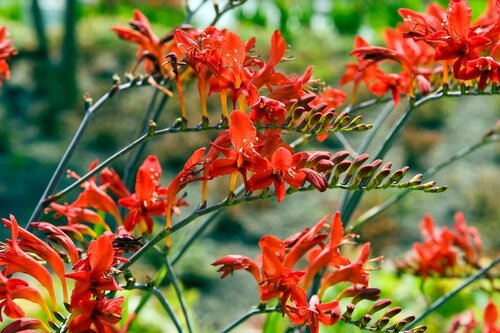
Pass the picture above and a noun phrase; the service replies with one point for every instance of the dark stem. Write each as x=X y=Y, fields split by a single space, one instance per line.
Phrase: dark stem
x=180 y=296
x=455 y=291
x=375 y=211
x=164 y=303
x=249 y=314
x=63 y=163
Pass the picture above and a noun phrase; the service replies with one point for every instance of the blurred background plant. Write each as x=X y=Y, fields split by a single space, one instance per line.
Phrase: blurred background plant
x=66 y=48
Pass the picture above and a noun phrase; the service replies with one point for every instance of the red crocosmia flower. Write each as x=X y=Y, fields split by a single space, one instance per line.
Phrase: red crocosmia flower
x=437 y=253
x=328 y=255
x=360 y=72
x=298 y=245
x=188 y=174
x=29 y=242
x=114 y=183
x=354 y=272
x=463 y=323
x=26 y=325
x=95 y=196
x=96 y=315
x=277 y=280
x=282 y=169
x=314 y=313
x=57 y=235
x=331 y=96
x=395 y=83
x=467 y=239
x=14 y=260
x=76 y=215
x=6 y=51
x=92 y=273
x=265 y=74
x=228 y=67
x=233 y=262
x=146 y=201
x=457 y=40
x=490 y=318
x=78 y=232
x=482 y=68
x=150 y=48
x=244 y=156
x=13 y=288
x=269 y=110
x=287 y=89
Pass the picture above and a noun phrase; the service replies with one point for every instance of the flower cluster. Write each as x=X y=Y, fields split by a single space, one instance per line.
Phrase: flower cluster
x=444 y=248
x=278 y=277
x=90 y=310
x=6 y=51
x=438 y=36
x=466 y=323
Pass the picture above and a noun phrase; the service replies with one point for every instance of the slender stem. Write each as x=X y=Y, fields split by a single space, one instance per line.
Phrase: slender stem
x=164 y=303
x=367 y=140
x=455 y=291
x=207 y=210
x=118 y=154
x=46 y=199
x=394 y=134
x=132 y=162
x=243 y=318
x=191 y=12
x=63 y=163
x=428 y=173
x=396 y=129
x=195 y=235
x=180 y=296
x=230 y=5
x=141 y=129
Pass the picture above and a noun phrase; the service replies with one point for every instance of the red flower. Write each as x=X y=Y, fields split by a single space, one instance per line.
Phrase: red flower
x=150 y=47
x=354 y=272
x=114 y=183
x=234 y=262
x=57 y=235
x=490 y=318
x=270 y=110
x=77 y=215
x=482 y=68
x=92 y=273
x=313 y=313
x=266 y=73
x=244 y=156
x=96 y=315
x=15 y=260
x=282 y=169
x=6 y=51
x=25 y=325
x=146 y=200
x=11 y=289
x=329 y=254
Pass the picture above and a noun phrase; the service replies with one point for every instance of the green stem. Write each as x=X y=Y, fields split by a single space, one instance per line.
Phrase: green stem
x=249 y=314
x=229 y=6
x=455 y=291
x=180 y=296
x=391 y=138
x=367 y=140
x=164 y=303
x=46 y=200
x=63 y=163
x=375 y=211
x=142 y=128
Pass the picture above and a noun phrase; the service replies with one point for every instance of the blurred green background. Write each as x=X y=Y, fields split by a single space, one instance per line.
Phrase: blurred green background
x=66 y=48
